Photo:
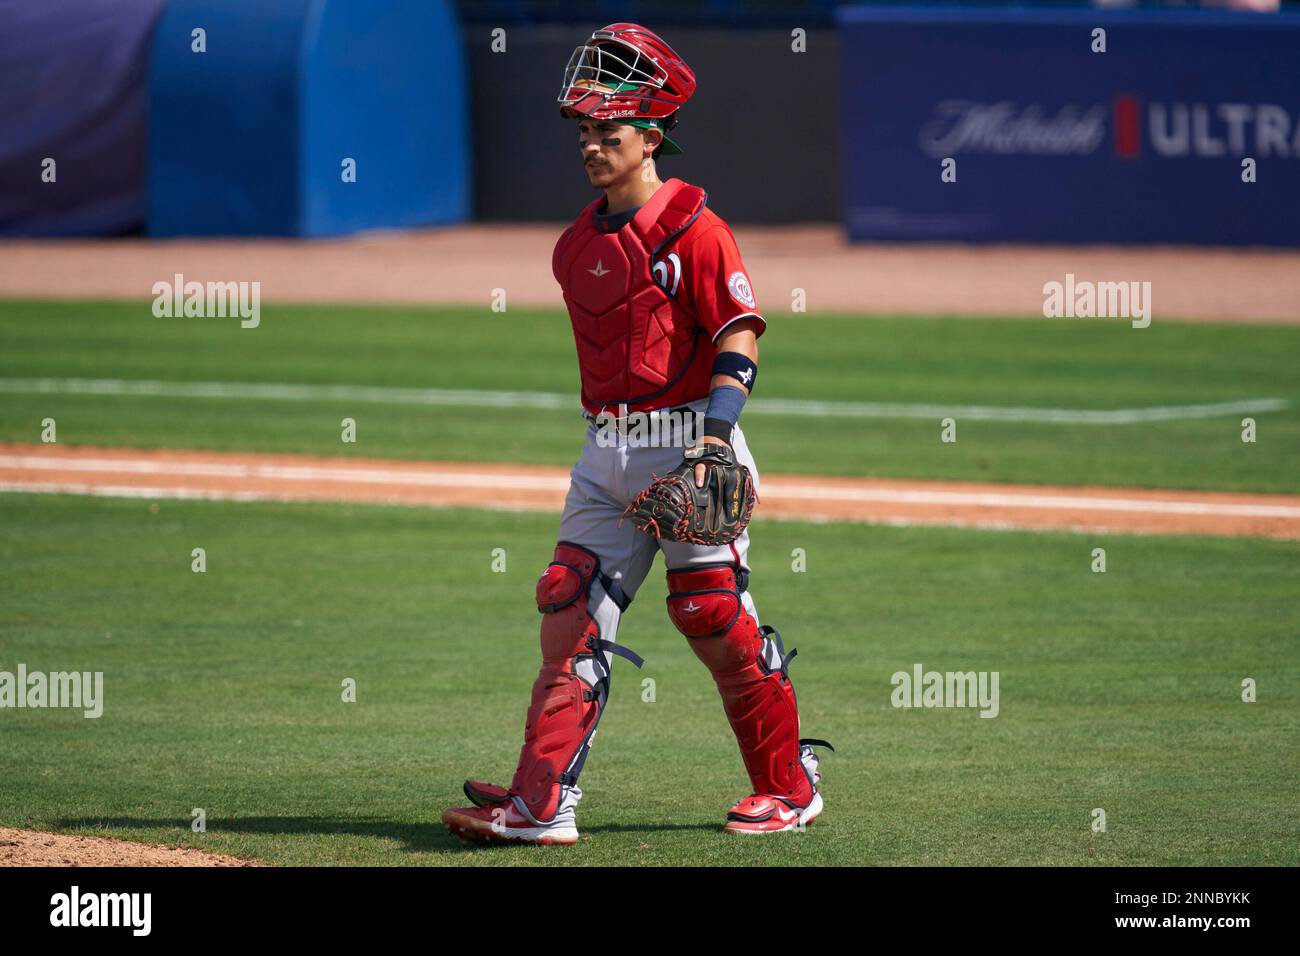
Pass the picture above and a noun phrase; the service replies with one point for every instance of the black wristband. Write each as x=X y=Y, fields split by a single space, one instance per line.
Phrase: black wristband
x=718 y=428
x=740 y=367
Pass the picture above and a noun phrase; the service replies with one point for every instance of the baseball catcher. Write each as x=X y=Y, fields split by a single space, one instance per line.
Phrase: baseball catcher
x=666 y=327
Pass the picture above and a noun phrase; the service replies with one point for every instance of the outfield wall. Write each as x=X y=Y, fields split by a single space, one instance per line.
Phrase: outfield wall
x=1052 y=142
x=1055 y=142
x=760 y=134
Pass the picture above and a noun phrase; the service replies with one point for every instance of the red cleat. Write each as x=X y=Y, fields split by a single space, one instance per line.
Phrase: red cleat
x=765 y=813
x=500 y=819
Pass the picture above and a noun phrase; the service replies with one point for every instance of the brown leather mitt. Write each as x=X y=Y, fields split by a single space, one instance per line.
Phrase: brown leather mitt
x=674 y=508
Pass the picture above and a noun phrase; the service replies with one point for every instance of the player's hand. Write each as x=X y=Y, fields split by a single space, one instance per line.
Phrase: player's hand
x=699 y=469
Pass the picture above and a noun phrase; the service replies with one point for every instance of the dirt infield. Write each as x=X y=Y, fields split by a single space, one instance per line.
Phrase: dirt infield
x=463 y=265
x=116 y=472
x=34 y=848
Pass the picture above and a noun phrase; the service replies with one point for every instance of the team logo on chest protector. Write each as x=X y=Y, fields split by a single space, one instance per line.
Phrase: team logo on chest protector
x=668 y=273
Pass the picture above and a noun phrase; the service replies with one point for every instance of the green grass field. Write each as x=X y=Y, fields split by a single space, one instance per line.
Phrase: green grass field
x=1119 y=691
x=222 y=690
x=1020 y=363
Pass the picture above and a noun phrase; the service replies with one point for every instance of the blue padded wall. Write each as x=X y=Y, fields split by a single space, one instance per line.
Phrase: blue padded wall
x=248 y=138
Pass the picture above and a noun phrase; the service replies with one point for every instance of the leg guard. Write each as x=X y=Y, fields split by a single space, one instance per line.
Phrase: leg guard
x=569 y=694
x=748 y=664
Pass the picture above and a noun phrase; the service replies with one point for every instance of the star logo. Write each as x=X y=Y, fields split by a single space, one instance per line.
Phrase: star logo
x=746 y=375
x=690 y=608
x=600 y=270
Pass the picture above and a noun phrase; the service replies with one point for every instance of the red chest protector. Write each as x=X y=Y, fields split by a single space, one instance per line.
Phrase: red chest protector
x=637 y=345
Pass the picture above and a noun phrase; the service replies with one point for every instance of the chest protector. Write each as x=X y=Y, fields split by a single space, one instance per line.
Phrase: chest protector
x=637 y=345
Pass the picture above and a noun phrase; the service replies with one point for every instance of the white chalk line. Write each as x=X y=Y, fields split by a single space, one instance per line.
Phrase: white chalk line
x=136 y=491
x=476 y=398
x=1031 y=500
x=205 y=494
x=544 y=483
x=361 y=474
x=200 y=494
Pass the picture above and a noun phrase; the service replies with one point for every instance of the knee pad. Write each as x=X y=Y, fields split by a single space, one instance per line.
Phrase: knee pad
x=563 y=591
x=580 y=608
x=705 y=602
x=749 y=665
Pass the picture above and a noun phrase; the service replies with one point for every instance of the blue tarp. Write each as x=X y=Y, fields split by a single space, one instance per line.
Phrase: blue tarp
x=250 y=136
x=73 y=91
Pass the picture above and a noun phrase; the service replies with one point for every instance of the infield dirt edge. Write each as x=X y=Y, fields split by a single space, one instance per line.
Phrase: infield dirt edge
x=252 y=476
x=41 y=848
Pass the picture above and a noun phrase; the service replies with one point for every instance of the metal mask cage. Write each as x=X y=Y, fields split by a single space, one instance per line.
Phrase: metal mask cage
x=609 y=67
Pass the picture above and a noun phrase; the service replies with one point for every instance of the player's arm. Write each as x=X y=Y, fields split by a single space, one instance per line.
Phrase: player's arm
x=734 y=368
x=740 y=337
x=734 y=371
x=718 y=291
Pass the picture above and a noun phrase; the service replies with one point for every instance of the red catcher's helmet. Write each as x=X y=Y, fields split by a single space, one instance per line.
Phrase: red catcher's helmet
x=625 y=71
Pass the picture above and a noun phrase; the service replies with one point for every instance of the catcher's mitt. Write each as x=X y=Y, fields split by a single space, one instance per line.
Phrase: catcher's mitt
x=674 y=508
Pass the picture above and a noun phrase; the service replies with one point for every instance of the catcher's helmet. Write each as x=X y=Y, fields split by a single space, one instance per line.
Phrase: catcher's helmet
x=625 y=71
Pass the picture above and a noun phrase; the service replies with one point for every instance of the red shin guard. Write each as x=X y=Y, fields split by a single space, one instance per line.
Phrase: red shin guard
x=747 y=666
x=571 y=687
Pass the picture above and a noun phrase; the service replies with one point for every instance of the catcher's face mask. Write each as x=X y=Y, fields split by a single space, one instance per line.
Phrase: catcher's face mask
x=590 y=70
x=606 y=68
x=625 y=71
